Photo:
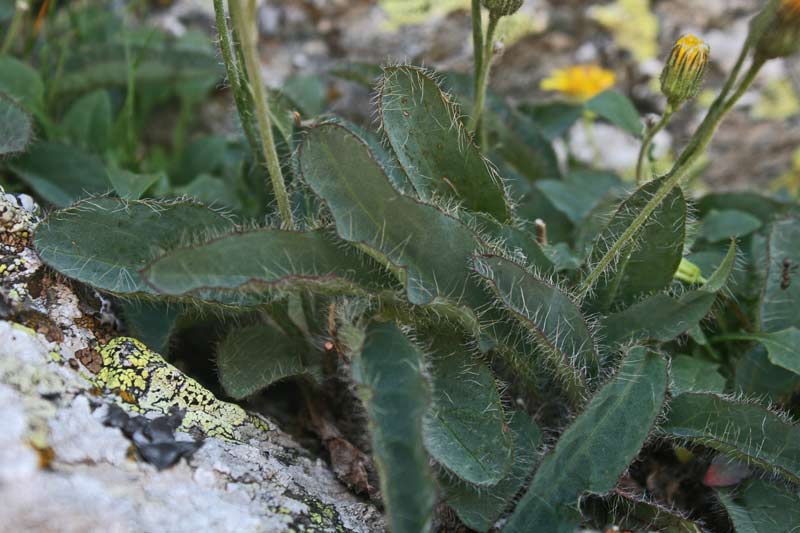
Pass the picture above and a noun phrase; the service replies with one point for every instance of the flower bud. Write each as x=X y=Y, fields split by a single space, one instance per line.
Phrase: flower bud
x=685 y=70
x=503 y=8
x=689 y=272
x=776 y=29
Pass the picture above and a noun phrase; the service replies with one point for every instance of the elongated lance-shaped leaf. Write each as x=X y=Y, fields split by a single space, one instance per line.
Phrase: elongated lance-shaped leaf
x=104 y=242
x=760 y=507
x=264 y=259
x=649 y=264
x=480 y=507
x=254 y=357
x=388 y=369
x=596 y=449
x=663 y=317
x=425 y=131
x=780 y=299
x=16 y=127
x=431 y=248
x=746 y=431
x=465 y=431
x=556 y=323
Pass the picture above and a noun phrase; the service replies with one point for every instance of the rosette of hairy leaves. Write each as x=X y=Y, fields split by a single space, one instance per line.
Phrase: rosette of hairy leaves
x=105 y=242
x=555 y=322
x=596 y=448
x=388 y=371
x=745 y=431
x=424 y=130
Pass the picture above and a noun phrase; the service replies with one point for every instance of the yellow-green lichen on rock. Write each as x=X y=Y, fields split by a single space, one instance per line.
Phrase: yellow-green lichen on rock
x=145 y=382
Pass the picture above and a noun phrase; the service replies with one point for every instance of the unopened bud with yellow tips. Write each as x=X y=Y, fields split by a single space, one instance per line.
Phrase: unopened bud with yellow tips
x=685 y=70
x=503 y=8
x=776 y=30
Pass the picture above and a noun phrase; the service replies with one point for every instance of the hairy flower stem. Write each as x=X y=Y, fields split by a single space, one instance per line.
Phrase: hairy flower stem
x=648 y=141
x=476 y=120
x=697 y=146
x=236 y=77
x=243 y=13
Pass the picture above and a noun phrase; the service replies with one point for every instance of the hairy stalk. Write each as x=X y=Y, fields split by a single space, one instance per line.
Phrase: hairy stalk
x=476 y=120
x=243 y=13
x=648 y=141
x=700 y=141
x=13 y=29
x=235 y=77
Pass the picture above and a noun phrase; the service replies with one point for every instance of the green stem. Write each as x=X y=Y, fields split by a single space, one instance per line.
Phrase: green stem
x=648 y=140
x=244 y=17
x=235 y=77
x=700 y=141
x=477 y=42
x=483 y=76
x=13 y=29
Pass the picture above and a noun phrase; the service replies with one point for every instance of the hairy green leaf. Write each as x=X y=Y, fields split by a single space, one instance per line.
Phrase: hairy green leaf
x=254 y=357
x=517 y=242
x=263 y=259
x=426 y=134
x=464 y=431
x=105 y=242
x=432 y=249
x=395 y=392
x=480 y=507
x=596 y=449
x=16 y=127
x=746 y=431
x=761 y=507
x=634 y=512
x=650 y=263
x=691 y=374
x=557 y=325
x=663 y=317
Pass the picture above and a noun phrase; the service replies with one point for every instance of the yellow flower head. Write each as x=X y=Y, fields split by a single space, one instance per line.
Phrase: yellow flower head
x=776 y=29
x=685 y=70
x=581 y=82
